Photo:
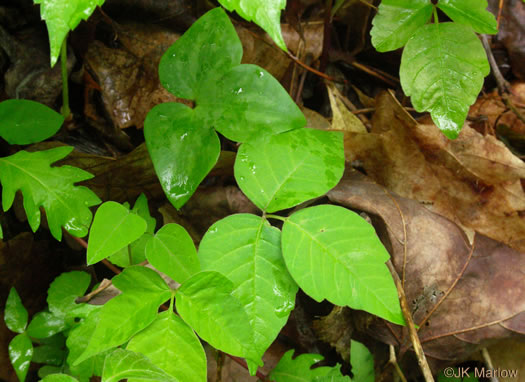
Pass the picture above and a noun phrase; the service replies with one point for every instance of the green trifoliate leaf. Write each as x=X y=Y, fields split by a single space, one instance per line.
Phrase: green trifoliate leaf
x=334 y=254
x=125 y=364
x=45 y=325
x=170 y=344
x=61 y=16
x=248 y=102
x=15 y=314
x=143 y=291
x=472 y=13
x=207 y=50
x=114 y=227
x=48 y=354
x=362 y=362
x=247 y=250
x=59 y=378
x=65 y=289
x=23 y=122
x=20 y=353
x=182 y=150
x=442 y=70
x=206 y=302
x=172 y=251
x=396 y=21
x=53 y=188
x=300 y=369
x=287 y=169
x=265 y=13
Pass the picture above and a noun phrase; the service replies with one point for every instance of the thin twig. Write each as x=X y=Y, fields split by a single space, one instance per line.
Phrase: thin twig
x=488 y=361
x=393 y=362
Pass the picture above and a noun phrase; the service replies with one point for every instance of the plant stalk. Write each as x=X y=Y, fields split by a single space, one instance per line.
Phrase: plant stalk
x=65 y=90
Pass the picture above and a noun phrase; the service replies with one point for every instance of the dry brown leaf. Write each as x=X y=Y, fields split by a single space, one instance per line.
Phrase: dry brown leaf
x=342 y=118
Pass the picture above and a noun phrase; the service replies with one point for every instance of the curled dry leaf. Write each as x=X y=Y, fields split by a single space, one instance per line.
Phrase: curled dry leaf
x=474 y=180
x=479 y=293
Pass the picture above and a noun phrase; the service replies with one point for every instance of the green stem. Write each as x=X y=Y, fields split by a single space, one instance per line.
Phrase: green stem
x=436 y=20
x=271 y=216
x=65 y=90
x=172 y=298
x=130 y=258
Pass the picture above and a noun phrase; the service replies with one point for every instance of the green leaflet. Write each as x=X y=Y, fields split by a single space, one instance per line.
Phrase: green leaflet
x=362 y=362
x=114 y=227
x=265 y=13
x=300 y=369
x=334 y=254
x=48 y=354
x=442 y=70
x=53 y=188
x=247 y=250
x=287 y=169
x=45 y=324
x=143 y=291
x=61 y=16
x=206 y=302
x=23 y=121
x=20 y=353
x=173 y=252
x=59 y=378
x=170 y=344
x=125 y=364
x=64 y=290
x=472 y=13
x=397 y=20
x=15 y=314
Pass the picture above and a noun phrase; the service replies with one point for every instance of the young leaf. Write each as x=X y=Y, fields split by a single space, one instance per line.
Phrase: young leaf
x=247 y=250
x=172 y=251
x=248 y=102
x=61 y=16
x=59 y=378
x=362 y=362
x=15 y=314
x=265 y=13
x=287 y=169
x=396 y=21
x=48 y=354
x=20 y=353
x=170 y=344
x=114 y=227
x=206 y=303
x=23 y=121
x=442 y=69
x=207 y=50
x=300 y=369
x=143 y=291
x=45 y=325
x=334 y=254
x=53 y=188
x=125 y=364
x=182 y=150
x=65 y=289
x=472 y=13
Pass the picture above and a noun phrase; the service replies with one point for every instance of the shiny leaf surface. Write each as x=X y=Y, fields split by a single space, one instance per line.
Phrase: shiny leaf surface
x=247 y=250
x=45 y=325
x=23 y=121
x=65 y=289
x=20 y=352
x=473 y=13
x=334 y=254
x=53 y=188
x=287 y=169
x=442 y=70
x=15 y=314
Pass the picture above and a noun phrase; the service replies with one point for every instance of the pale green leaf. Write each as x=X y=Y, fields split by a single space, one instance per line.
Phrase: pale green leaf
x=334 y=254
x=125 y=364
x=45 y=325
x=265 y=13
x=472 y=13
x=172 y=252
x=23 y=121
x=247 y=250
x=300 y=369
x=287 y=169
x=442 y=70
x=170 y=344
x=53 y=188
x=65 y=289
x=206 y=303
x=114 y=227
x=59 y=378
x=362 y=362
x=398 y=20
x=15 y=314
x=20 y=351
x=61 y=16
x=207 y=50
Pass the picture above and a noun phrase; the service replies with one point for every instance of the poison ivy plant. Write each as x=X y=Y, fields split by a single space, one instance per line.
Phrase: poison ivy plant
x=443 y=64
x=49 y=187
x=20 y=348
x=61 y=16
